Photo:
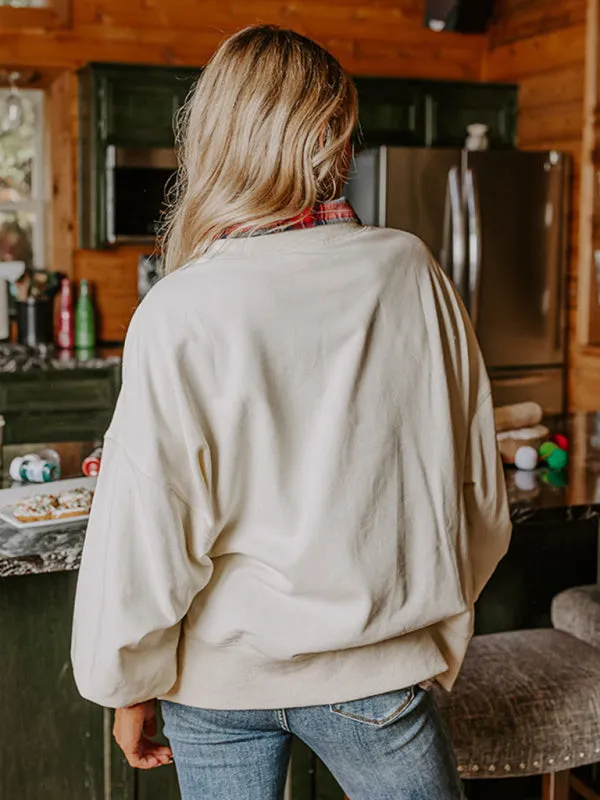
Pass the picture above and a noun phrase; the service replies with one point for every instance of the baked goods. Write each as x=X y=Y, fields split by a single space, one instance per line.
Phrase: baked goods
x=69 y=504
x=36 y=508
x=519 y=415
x=73 y=503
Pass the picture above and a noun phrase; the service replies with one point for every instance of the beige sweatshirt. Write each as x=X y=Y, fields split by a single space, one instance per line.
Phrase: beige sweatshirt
x=300 y=495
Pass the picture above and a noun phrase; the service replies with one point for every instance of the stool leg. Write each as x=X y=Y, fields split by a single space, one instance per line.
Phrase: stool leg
x=581 y=790
x=555 y=786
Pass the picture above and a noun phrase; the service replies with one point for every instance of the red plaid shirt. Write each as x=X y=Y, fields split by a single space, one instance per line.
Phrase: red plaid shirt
x=330 y=213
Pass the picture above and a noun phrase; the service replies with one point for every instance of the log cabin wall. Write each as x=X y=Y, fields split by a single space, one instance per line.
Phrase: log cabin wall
x=383 y=39
x=541 y=45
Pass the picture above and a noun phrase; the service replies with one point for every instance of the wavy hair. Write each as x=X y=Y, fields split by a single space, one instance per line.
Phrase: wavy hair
x=264 y=135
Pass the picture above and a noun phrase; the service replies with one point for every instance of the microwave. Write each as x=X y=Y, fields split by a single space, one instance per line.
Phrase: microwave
x=136 y=183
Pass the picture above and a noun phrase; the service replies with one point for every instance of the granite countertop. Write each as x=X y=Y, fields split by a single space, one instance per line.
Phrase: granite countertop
x=536 y=498
x=17 y=358
x=40 y=550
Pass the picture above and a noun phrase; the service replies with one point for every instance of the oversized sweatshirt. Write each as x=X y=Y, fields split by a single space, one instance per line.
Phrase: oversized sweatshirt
x=300 y=495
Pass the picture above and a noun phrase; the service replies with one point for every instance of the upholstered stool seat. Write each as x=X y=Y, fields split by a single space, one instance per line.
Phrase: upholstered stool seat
x=577 y=611
x=526 y=703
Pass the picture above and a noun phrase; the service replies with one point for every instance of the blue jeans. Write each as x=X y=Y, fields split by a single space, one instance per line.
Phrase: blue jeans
x=389 y=747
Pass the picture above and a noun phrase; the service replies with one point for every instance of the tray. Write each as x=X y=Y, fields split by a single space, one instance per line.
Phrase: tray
x=9 y=497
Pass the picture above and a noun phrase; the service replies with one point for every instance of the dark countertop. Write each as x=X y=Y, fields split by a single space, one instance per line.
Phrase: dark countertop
x=17 y=358
x=544 y=497
x=536 y=498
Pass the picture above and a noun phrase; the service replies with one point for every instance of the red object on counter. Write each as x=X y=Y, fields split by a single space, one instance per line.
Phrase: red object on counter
x=561 y=441
x=91 y=465
x=66 y=335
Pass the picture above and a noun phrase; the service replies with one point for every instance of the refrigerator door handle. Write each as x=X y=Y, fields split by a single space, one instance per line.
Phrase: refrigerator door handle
x=111 y=161
x=459 y=250
x=475 y=254
x=445 y=255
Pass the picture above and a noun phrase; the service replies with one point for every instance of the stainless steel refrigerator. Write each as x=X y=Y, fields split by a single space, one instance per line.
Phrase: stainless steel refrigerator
x=497 y=223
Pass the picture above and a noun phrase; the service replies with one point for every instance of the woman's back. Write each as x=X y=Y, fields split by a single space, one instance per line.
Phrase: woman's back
x=312 y=394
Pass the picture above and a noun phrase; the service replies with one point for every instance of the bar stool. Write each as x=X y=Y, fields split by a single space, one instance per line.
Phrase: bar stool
x=577 y=611
x=527 y=703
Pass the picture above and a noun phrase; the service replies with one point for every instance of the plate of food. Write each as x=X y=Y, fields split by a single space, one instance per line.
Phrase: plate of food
x=47 y=504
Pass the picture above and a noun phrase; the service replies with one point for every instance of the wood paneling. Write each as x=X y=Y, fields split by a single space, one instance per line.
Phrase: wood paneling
x=526 y=19
x=541 y=44
x=55 y=14
x=369 y=38
x=113 y=274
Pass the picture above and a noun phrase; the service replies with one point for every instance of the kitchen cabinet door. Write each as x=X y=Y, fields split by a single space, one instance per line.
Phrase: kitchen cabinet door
x=391 y=111
x=56 y=406
x=451 y=107
x=52 y=739
x=138 y=106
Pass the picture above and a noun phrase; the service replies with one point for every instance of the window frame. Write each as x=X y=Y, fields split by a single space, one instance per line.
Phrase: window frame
x=37 y=203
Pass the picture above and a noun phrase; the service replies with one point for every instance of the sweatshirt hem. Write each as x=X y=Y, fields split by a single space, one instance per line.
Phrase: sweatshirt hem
x=238 y=678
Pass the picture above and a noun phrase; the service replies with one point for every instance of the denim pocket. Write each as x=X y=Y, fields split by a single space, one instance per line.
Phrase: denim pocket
x=379 y=711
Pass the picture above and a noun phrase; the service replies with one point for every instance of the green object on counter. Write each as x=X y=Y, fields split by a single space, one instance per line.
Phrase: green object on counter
x=555 y=478
x=85 y=323
x=547 y=449
x=558 y=459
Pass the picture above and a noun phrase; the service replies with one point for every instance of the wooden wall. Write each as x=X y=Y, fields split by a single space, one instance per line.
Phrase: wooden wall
x=541 y=44
x=383 y=38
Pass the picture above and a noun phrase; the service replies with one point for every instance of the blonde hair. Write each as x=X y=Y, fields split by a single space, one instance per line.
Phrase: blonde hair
x=264 y=136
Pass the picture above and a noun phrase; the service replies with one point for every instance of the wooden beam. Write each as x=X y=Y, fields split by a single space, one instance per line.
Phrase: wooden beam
x=588 y=288
x=62 y=121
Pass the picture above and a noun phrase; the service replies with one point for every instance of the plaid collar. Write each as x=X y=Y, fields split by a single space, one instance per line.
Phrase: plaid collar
x=330 y=213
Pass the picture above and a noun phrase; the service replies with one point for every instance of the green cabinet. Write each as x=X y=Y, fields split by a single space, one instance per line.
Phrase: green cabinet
x=56 y=406
x=137 y=105
x=450 y=108
x=433 y=113
x=53 y=741
x=392 y=112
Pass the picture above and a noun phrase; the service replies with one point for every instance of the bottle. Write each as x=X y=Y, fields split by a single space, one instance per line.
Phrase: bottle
x=33 y=469
x=85 y=333
x=66 y=337
x=91 y=464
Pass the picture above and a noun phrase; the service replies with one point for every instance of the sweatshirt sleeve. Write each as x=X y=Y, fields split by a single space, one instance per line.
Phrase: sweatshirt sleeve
x=486 y=504
x=145 y=556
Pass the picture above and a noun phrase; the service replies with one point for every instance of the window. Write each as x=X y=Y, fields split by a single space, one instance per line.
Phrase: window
x=22 y=183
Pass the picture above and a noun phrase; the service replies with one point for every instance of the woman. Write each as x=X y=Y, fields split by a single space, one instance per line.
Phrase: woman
x=300 y=496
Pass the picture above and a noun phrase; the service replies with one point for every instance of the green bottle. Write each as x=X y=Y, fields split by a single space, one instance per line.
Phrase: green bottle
x=85 y=324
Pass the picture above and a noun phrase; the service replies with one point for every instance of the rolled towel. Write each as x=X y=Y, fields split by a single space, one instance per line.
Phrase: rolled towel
x=519 y=415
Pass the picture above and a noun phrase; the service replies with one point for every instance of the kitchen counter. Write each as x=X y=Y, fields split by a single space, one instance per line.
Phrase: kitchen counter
x=544 y=497
x=17 y=358
x=536 y=498
x=40 y=550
